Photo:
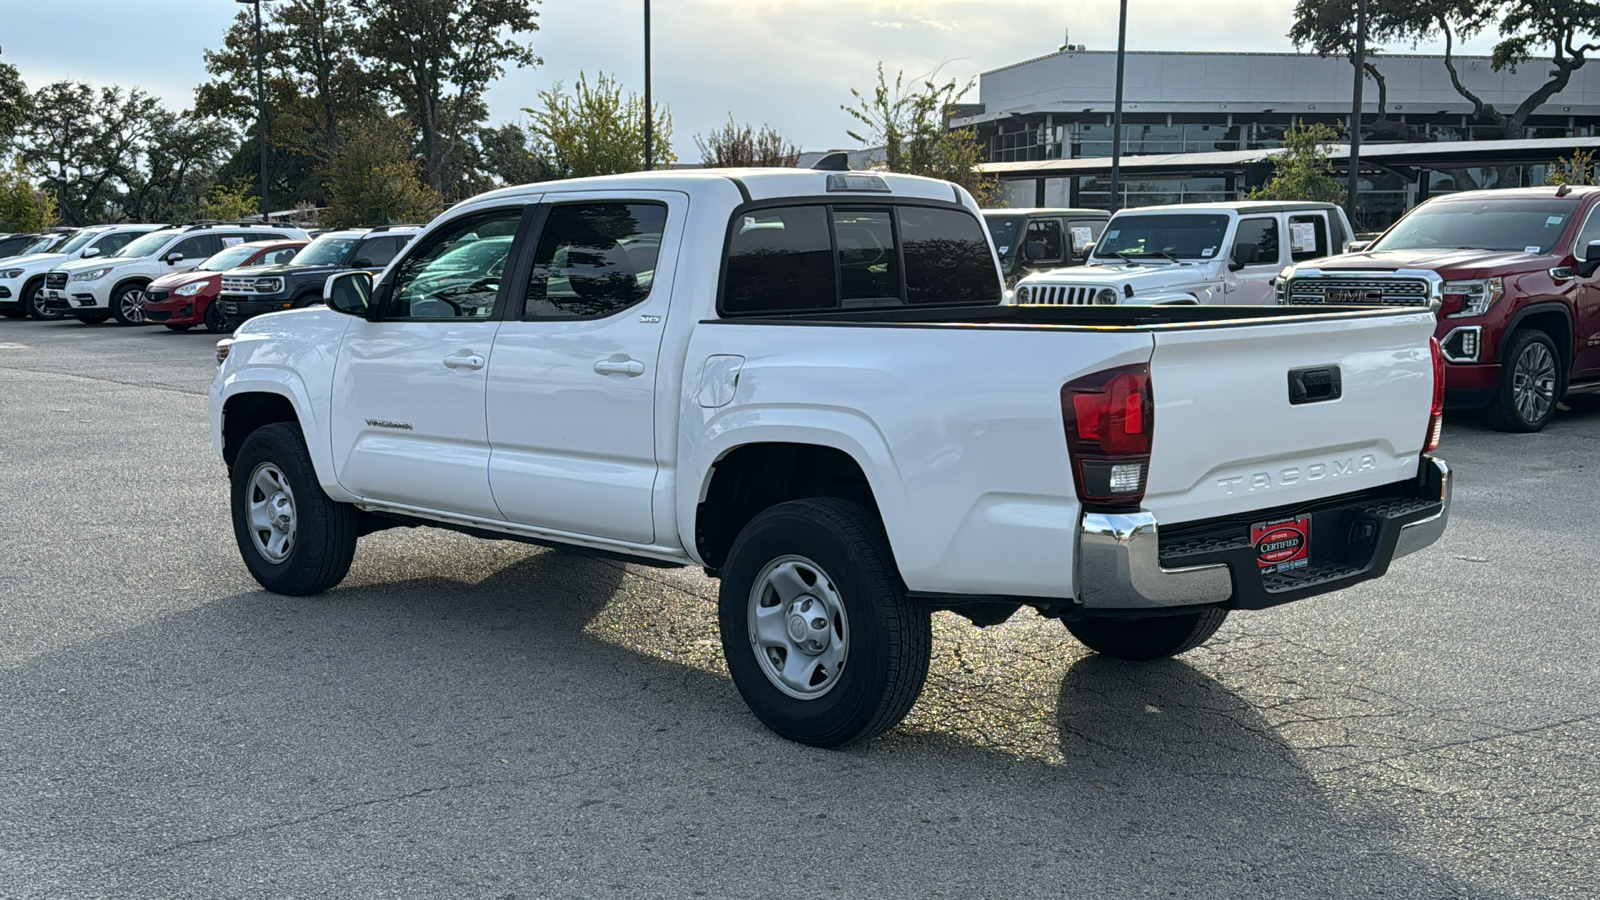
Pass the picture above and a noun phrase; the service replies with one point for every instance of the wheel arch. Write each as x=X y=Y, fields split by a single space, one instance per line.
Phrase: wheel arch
x=1554 y=319
x=247 y=405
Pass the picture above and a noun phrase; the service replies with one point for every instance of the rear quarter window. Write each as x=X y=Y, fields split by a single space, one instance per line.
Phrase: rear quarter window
x=780 y=260
x=948 y=262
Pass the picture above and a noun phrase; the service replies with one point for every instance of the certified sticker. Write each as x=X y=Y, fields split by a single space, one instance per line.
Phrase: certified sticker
x=1282 y=545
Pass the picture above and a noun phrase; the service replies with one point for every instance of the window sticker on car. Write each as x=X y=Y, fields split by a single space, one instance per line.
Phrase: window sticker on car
x=1005 y=250
x=232 y=241
x=1303 y=237
x=1531 y=249
x=1208 y=252
x=1082 y=236
x=1554 y=220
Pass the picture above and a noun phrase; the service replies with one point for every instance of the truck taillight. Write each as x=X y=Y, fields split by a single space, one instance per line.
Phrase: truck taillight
x=1436 y=416
x=1109 y=418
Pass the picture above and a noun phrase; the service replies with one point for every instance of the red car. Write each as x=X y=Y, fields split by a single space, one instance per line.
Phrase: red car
x=184 y=300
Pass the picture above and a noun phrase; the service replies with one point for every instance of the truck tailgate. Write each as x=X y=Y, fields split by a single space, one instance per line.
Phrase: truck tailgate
x=1230 y=437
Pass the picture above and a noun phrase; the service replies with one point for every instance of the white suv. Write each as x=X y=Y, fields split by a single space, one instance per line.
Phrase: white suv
x=93 y=290
x=22 y=277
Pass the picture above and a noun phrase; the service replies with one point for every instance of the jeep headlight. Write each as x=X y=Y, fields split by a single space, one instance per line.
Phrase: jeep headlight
x=1023 y=294
x=91 y=275
x=268 y=285
x=1476 y=295
x=1106 y=297
x=11 y=273
x=189 y=290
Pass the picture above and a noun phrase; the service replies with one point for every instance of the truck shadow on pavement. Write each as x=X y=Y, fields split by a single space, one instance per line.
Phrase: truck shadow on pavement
x=432 y=735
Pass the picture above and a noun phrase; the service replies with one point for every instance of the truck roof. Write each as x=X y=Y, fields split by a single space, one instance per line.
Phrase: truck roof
x=1241 y=206
x=758 y=184
x=1047 y=211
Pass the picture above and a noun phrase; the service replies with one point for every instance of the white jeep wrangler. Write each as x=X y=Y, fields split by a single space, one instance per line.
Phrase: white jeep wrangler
x=1202 y=253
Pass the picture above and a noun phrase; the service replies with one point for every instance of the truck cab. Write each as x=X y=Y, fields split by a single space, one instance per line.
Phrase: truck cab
x=1200 y=253
x=1034 y=240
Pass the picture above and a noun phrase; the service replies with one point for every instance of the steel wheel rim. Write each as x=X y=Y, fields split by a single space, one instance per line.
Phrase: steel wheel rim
x=132 y=305
x=271 y=512
x=798 y=628
x=1533 y=382
x=43 y=311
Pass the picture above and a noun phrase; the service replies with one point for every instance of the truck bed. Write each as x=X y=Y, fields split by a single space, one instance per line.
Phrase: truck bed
x=1095 y=317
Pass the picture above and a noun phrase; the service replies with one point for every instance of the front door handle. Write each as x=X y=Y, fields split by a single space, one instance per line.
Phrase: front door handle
x=619 y=365
x=464 y=361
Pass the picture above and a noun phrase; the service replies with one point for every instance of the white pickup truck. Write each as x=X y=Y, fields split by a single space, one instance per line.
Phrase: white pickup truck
x=805 y=383
x=1199 y=253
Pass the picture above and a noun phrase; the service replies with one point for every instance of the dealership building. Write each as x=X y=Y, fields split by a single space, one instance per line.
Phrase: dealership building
x=1202 y=126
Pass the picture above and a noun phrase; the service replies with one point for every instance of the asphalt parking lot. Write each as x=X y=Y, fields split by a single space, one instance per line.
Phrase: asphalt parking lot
x=485 y=719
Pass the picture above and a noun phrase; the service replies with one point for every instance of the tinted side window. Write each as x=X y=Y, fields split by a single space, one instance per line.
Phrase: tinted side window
x=947 y=258
x=277 y=257
x=868 y=269
x=1048 y=233
x=198 y=247
x=455 y=273
x=1308 y=236
x=1264 y=234
x=376 y=252
x=594 y=259
x=780 y=259
x=1589 y=232
x=111 y=243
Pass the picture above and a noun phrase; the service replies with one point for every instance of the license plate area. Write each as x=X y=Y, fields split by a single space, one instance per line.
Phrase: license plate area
x=1282 y=545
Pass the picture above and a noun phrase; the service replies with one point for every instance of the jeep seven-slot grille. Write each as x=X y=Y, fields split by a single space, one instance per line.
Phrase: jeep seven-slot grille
x=1055 y=295
x=1387 y=291
x=56 y=281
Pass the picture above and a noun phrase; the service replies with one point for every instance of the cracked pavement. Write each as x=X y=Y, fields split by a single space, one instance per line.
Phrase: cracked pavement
x=464 y=718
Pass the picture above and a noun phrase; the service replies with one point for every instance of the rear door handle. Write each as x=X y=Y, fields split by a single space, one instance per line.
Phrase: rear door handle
x=619 y=365
x=464 y=361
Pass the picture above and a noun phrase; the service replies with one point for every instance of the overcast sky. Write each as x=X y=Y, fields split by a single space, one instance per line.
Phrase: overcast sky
x=789 y=63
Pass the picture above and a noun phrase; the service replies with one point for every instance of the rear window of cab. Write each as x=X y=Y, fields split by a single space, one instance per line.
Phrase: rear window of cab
x=821 y=256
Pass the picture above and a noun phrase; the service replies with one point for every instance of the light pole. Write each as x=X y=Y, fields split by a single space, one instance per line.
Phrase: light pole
x=649 y=113
x=261 y=108
x=1116 y=115
x=1355 y=111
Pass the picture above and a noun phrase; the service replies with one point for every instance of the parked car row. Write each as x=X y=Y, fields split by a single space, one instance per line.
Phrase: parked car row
x=214 y=274
x=1511 y=275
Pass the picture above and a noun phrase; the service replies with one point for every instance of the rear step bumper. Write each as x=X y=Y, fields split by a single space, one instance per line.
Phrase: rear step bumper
x=1127 y=563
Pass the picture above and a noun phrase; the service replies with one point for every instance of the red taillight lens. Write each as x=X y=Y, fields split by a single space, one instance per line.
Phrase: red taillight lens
x=1109 y=418
x=1436 y=415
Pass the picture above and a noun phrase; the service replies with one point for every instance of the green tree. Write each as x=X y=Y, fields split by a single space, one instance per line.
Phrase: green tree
x=23 y=206
x=373 y=179
x=910 y=124
x=229 y=203
x=1558 y=33
x=515 y=156
x=87 y=145
x=1575 y=169
x=436 y=58
x=734 y=145
x=1300 y=171
x=14 y=103
x=599 y=131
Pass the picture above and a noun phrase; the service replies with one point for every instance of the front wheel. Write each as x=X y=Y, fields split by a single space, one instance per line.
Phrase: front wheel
x=1530 y=383
x=294 y=539
x=1142 y=640
x=216 y=322
x=127 y=304
x=819 y=635
x=33 y=302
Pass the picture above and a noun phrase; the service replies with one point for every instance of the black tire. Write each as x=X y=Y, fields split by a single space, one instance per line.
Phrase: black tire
x=323 y=534
x=33 y=302
x=1142 y=640
x=92 y=318
x=305 y=300
x=13 y=313
x=1530 y=383
x=887 y=638
x=216 y=322
x=127 y=304
x=179 y=328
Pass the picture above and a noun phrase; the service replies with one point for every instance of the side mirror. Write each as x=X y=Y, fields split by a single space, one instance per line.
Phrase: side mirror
x=349 y=293
x=1356 y=246
x=173 y=258
x=1591 y=259
x=1033 y=250
x=90 y=253
x=1244 y=253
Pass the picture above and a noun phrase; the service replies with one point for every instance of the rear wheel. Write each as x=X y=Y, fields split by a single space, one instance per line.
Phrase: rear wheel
x=820 y=638
x=294 y=539
x=1530 y=383
x=127 y=304
x=33 y=301
x=216 y=322
x=1142 y=640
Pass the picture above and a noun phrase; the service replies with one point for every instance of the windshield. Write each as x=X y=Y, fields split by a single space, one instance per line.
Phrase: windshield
x=77 y=239
x=231 y=258
x=1532 y=226
x=144 y=246
x=42 y=245
x=324 y=251
x=1173 y=235
x=1004 y=230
